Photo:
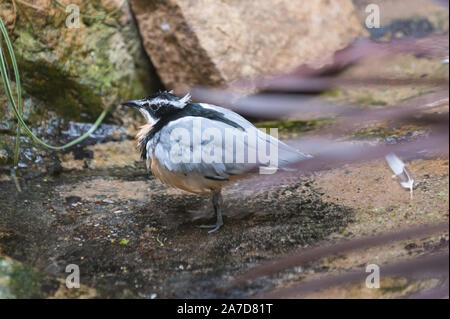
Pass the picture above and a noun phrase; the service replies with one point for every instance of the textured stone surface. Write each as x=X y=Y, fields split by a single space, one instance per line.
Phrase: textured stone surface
x=71 y=74
x=212 y=42
x=78 y=71
x=18 y=280
x=413 y=18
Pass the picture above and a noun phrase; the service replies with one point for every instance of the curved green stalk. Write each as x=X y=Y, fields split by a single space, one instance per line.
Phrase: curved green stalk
x=16 y=110
x=19 y=99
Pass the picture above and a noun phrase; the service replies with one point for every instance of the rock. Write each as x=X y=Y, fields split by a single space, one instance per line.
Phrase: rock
x=3 y=157
x=201 y=42
x=33 y=111
x=435 y=11
x=71 y=74
x=78 y=71
x=18 y=280
x=399 y=19
x=21 y=281
x=8 y=14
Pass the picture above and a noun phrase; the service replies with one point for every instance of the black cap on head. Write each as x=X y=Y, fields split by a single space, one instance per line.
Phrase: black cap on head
x=159 y=104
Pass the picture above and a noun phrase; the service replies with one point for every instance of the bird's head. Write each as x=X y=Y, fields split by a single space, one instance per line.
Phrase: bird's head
x=159 y=105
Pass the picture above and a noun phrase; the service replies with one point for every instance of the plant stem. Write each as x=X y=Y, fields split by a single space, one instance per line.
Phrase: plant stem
x=17 y=112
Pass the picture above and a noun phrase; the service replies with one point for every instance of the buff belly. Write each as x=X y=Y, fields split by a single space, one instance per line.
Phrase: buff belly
x=190 y=183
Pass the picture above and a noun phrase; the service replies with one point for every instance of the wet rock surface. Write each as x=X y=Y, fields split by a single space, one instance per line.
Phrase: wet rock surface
x=131 y=239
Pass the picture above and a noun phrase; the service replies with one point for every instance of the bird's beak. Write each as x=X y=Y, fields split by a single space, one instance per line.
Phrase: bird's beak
x=133 y=103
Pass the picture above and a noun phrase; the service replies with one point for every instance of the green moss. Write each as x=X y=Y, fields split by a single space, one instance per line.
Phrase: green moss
x=288 y=127
x=370 y=133
x=20 y=281
x=369 y=100
x=25 y=282
x=374 y=132
x=78 y=73
x=393 y=286
x=333 y=93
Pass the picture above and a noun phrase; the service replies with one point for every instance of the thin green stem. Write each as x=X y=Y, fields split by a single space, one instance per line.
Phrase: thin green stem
x=7 y=86
x=19 y=102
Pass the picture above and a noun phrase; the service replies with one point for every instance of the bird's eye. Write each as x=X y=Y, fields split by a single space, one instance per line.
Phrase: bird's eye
x=154 y=107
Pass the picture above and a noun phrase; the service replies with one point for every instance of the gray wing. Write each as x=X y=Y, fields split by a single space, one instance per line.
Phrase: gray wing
x=286 y=154
x=204 y=147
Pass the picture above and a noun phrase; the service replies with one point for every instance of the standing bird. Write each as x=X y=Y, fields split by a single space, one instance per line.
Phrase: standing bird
x=188 y=146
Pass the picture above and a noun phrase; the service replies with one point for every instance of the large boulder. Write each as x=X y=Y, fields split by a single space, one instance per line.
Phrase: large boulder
x=78 y=71
x=72 y=74
x=203 y=42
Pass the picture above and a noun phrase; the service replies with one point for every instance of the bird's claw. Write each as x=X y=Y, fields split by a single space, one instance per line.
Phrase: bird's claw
x=215 y=227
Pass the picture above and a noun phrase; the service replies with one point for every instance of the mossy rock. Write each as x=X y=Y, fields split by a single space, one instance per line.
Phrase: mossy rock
x=79 y=71
x=72 y=74
x=20 y=281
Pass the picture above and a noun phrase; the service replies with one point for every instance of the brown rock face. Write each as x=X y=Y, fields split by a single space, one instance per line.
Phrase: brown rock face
x=204 y=42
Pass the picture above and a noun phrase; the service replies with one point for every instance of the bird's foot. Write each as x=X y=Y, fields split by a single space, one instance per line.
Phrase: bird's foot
x=214 y=227
x=216 y=199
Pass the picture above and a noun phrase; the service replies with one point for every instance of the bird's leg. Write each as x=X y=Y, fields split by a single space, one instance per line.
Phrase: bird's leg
x=217 y=203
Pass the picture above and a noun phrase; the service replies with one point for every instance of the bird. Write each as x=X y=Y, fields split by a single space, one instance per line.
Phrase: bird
x=200 y=147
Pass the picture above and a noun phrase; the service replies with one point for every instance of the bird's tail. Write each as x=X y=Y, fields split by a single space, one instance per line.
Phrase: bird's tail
x=288 y=156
